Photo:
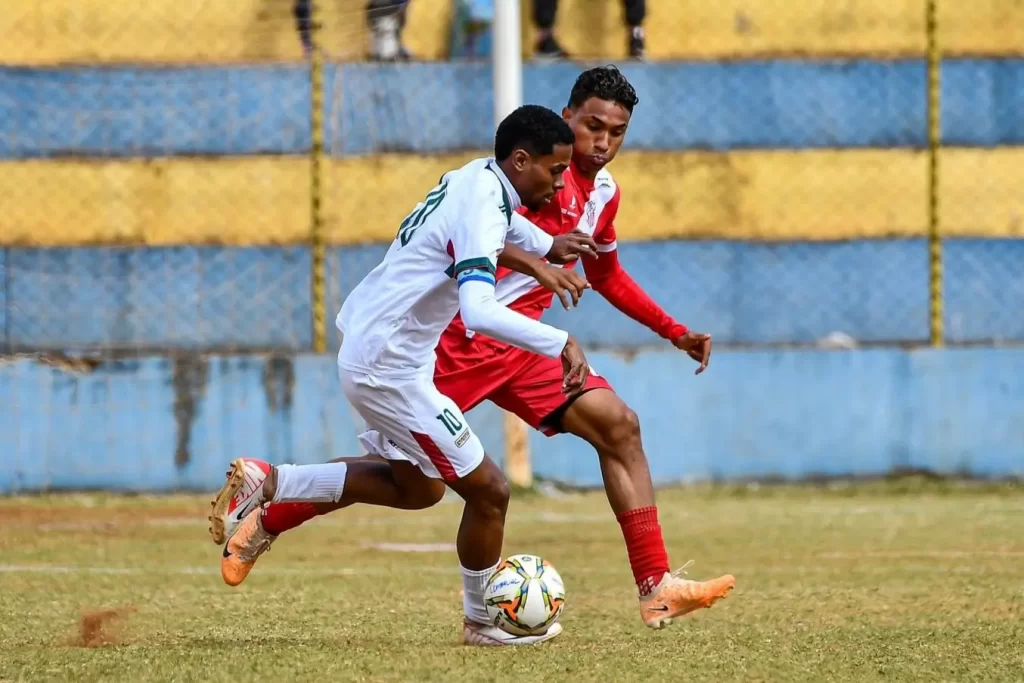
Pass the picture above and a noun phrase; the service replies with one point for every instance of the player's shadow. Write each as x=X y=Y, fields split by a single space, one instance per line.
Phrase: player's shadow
x=358 y=642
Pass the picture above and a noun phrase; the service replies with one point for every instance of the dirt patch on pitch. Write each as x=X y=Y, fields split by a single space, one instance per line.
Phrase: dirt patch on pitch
x=102 y=627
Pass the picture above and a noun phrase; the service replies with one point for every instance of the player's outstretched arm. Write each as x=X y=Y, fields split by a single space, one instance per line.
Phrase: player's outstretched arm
x=482 y=313
x=477 y=242
x=562 y=249
x=610 y=279
x=566 y=284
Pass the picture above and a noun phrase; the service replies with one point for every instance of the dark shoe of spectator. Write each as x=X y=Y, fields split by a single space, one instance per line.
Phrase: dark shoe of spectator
x=637 y=46
x=548 y=49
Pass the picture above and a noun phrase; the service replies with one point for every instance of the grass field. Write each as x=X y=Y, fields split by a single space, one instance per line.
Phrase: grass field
x=868 y=582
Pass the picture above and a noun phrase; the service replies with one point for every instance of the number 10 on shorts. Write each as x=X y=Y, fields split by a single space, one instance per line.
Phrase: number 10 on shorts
x=450 y=422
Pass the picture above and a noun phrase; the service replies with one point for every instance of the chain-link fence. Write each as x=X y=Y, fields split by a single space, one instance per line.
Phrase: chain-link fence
x=181 y=180
x=154 y=166
x=193 y=175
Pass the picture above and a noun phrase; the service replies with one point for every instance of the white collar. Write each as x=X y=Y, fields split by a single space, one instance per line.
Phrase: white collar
x=505 y=183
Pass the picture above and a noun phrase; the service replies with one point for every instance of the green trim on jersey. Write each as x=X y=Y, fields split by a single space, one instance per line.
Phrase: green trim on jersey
x=506 y=201
x=471 y=263
x=420 y=214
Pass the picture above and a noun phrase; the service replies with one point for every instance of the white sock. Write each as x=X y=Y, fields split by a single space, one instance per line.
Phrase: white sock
x=473 y=585
x=310 y=483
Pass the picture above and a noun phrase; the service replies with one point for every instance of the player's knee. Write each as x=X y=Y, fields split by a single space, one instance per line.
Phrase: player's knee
x=495 y=494
x=485 y=489
x=622 y=428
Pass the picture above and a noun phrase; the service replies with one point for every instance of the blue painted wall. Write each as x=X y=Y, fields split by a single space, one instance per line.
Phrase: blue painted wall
x=801 y=413
x=434 y=107
x=744 y=293
x=164 y=423
x=4 y=328
x=161 y=424
x=171 y=297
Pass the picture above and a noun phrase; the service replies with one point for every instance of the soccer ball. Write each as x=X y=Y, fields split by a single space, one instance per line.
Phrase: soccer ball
x=524 y=596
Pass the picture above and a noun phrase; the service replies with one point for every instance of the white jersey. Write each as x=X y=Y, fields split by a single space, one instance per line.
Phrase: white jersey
x=393 y=319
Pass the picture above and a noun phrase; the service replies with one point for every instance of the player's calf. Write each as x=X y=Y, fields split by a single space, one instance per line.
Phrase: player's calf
x=481 y=533
x=369 y=479
x=603 y=419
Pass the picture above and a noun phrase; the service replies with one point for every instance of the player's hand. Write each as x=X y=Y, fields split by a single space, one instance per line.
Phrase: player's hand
x=567 y=248
x=697 y=346
x=566 y=284
x=575 y=368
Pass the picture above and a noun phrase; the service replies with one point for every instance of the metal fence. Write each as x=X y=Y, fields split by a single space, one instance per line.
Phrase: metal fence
x=215 y=177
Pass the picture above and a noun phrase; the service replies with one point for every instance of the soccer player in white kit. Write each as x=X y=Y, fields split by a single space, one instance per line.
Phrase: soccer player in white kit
x=442 y=262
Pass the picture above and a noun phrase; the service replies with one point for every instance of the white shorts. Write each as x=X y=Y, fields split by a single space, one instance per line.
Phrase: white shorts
x=409 y=419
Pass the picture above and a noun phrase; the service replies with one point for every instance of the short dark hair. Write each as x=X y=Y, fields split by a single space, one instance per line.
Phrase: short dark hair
x=604 y=83
x=533 y=128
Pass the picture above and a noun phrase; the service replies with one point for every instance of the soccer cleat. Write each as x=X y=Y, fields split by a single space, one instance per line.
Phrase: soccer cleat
x=485 y=635
x=244 y=547
x=241 y=493
x=676 y=596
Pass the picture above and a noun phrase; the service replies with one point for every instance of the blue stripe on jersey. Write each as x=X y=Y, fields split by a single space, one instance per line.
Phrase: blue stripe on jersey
x=475 y=275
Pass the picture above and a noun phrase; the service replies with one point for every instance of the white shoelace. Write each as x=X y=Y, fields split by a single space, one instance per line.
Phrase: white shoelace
x=681 y=572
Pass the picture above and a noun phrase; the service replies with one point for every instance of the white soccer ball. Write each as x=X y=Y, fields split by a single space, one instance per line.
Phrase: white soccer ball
x=524 y=596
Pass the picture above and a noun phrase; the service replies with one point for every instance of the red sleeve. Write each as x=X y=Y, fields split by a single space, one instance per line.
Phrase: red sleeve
x=610 y=280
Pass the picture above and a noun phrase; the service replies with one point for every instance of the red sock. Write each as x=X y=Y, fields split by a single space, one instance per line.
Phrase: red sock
x=280 y=517
x=647 y=555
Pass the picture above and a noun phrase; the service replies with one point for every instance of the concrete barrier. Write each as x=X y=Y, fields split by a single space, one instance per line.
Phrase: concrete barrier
x=161 y=424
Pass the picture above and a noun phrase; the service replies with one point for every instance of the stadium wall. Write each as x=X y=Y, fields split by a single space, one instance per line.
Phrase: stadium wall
x=433 y=108
x=169 y=423
x=776 y=150
x=80 y=31
x=176 y=298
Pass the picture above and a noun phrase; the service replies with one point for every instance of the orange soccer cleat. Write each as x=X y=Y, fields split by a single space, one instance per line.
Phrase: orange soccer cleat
x=244 y=547
x=676 y=596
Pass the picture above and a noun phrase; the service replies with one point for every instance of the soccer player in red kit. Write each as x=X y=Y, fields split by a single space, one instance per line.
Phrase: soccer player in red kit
x=471 y=368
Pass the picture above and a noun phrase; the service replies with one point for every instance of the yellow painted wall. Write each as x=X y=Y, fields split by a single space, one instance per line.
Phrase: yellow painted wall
x=698 y=29
x=737 y=195
x=155 y=31
x=241 y=200
x=702 y=29
x=86 y=31
x=982 y=192
x=981 y=27
x=770 y=195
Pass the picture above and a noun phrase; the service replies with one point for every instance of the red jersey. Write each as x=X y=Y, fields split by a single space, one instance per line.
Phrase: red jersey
x=590 y=207
x=580 y=205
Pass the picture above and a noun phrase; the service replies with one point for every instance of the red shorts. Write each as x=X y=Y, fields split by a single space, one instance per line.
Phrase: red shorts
x=471 y=370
